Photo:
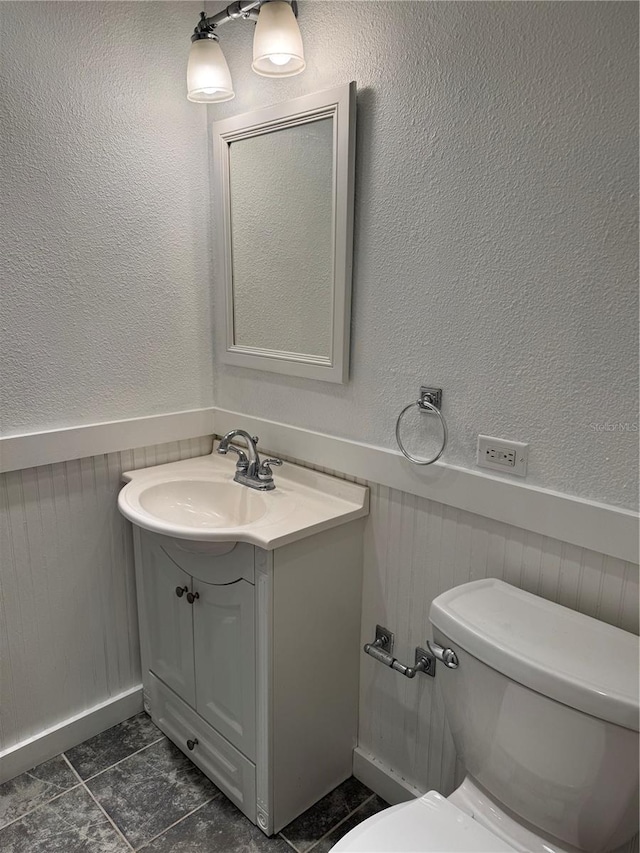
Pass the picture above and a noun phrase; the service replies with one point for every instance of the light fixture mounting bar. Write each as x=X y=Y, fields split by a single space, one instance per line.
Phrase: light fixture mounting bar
x=236 y=11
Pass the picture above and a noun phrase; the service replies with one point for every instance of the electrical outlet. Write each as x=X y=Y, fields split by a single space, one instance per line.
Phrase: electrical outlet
x=501 y=457
x=508 y=457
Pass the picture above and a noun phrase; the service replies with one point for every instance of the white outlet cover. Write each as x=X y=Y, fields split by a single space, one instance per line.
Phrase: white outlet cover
x=487 y=444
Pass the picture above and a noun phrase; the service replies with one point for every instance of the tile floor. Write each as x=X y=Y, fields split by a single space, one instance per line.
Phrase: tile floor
x=130 y=788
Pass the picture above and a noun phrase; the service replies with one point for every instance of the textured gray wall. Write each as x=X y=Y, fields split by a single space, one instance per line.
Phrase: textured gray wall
x=495 y=247
x=105 y=309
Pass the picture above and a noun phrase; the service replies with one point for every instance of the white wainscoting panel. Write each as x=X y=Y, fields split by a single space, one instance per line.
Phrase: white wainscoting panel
x=68 y=625
x=414 y=550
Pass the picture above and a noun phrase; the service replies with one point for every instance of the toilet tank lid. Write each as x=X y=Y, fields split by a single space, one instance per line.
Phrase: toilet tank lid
x=565 y=655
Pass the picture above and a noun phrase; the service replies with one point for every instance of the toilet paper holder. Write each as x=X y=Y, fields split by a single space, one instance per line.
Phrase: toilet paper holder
x=382 y=648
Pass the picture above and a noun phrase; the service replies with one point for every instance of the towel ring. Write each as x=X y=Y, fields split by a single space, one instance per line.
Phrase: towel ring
x=425 y=406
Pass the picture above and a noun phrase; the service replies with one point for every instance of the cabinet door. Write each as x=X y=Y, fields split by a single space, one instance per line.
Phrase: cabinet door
x=169 y=622
x=224 y=643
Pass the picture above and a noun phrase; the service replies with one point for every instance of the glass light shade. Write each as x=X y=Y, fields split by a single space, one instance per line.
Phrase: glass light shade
x=277 y=43
x=208 y=75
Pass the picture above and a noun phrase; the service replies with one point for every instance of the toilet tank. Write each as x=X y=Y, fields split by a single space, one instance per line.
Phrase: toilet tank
x=543 y=709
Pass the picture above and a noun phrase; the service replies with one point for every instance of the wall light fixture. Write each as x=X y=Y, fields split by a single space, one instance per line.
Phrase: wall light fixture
x=277 y=47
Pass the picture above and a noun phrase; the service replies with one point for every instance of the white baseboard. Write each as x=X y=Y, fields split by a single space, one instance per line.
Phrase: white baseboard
x=27 y=754
x=381 y=779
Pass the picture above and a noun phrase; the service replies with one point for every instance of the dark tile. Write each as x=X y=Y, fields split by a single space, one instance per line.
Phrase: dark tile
x=150 y=790
x=305 y=830
x=35 y=787
x=99 y=752
x=72 y=823
x=371 y=807
x=218 y=827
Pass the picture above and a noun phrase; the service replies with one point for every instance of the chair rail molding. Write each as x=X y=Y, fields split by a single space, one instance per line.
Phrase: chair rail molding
x=599 y=527
x=28 y=450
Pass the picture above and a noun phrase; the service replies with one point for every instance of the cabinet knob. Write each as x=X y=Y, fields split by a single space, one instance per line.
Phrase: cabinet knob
x=192 y=743
x=191 y=596
x=180 y=590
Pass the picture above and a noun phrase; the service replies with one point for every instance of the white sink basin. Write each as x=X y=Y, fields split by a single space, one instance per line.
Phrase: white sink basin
x=202 y=503
x=196 y=499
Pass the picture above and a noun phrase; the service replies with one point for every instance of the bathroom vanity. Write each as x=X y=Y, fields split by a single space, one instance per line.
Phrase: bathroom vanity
x=250 y=626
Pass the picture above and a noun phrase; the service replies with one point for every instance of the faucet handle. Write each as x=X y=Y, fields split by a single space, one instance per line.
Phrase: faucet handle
x=255 y=439
x=265 y=472
x=242 y=456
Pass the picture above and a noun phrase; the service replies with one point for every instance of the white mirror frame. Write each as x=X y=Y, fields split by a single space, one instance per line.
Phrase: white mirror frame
x=338 y=104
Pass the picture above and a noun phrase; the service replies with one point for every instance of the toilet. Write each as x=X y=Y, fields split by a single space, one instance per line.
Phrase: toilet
x=543 y=709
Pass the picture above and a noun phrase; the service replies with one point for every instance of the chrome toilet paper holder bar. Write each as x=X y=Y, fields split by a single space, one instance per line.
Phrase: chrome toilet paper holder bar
x=381 y=650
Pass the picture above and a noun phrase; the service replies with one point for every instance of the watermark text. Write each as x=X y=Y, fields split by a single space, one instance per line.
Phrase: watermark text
x=614 y=426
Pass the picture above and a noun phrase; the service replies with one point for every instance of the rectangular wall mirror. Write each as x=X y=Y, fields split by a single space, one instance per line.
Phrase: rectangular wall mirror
x=283 y=193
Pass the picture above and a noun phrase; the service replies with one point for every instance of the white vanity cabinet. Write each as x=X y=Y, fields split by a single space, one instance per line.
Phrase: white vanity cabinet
x=250 y=662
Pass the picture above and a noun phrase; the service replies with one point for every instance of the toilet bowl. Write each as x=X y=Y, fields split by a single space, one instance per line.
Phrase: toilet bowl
x=543 y=709
x=429 y=824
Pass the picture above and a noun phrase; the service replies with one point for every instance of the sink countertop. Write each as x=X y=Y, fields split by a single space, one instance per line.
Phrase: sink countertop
x=162 y=498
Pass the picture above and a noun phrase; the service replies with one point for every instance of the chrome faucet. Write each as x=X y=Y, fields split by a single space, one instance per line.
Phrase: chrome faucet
x=249 y=470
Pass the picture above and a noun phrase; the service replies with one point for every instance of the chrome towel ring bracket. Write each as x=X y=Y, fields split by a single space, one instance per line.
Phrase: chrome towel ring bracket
x=429 y=402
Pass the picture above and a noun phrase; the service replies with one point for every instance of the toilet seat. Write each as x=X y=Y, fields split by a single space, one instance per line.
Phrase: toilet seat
x=429 y=824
